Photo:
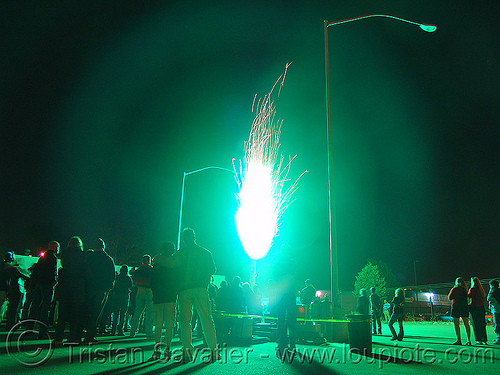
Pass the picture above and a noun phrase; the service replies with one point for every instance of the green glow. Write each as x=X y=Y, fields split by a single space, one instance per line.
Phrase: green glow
x=257 y=215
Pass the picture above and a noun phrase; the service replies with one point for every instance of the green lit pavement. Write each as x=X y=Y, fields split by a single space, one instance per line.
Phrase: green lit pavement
x=426 y=349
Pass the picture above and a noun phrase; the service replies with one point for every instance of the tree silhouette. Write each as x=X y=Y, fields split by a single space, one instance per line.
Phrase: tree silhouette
x=369 y=277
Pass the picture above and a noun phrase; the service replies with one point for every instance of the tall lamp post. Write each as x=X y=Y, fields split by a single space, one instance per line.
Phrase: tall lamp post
x=334 y=278
x=182 y=196
x=415 y=269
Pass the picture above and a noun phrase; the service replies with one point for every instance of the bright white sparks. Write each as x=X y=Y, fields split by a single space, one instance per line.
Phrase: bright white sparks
x=262 y=197
x=256 y=217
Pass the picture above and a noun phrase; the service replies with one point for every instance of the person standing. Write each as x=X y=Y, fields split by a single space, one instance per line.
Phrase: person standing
x=121 y=298
x=398 y=303
x=307 y=295
x=376 y=311
x=236 y=299
x=363 y=305
x=45 y=274
x=99 y=280
x=494 y=300
x=9 y=280
x=387 y=310
x=196 y=268
x=70 y=290
x=460 y=309
x=477 y=311
x=143 y=298
x=284 y=275
x=164 y=284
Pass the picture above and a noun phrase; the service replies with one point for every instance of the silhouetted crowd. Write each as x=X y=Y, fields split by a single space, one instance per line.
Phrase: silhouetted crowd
x=84 y=297
x=467 y=304
x=470 y=302
x=174 y=292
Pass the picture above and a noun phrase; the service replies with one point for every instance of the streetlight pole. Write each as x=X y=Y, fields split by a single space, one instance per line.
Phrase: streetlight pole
x=415 y=270
x=182 y=197
x=332 y=216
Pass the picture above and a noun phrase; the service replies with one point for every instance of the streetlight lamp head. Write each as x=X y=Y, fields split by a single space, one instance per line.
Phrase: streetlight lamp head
x=428 y=28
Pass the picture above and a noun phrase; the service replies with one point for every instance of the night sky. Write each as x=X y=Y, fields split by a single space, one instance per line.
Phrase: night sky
x=103 y=107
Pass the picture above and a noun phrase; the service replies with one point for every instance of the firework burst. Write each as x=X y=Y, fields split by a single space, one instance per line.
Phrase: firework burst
x=265 y=190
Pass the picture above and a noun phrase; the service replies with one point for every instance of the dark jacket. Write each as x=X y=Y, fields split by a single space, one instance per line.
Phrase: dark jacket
x=10 y=279
x=45 y=270
x=307 y=295
x=71 y=275
x=164 y=281
x=123 y=283
x=398 y=303
x=375 y=304
x=142 y=276
x=196 y=267
x=363 y=305
x=100 y=271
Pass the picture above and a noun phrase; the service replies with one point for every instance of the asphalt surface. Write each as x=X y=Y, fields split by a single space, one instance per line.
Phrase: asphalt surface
x=426 y=349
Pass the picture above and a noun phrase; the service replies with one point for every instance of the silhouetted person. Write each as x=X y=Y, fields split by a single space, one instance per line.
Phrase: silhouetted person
x=45 y=276
x=70 y=290
x=99 y=280
x=494 y=300
x=121 y=297
x=236 y=300
x=258 y=300
x=143 y=298
x=284 y=276
x=249 y=299
x=164 y=283
x=10 y=275
x=212 y=293
x=376 y=311
x=363 y=305
x=460 y=308
x=29 y=288
x=222 y=300
x=196 y=268
x=308 y=293
x=477 y=311
x=398 y=303
x=387 y=310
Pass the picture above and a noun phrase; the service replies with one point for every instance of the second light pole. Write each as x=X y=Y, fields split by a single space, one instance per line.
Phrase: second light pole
x=334 y=267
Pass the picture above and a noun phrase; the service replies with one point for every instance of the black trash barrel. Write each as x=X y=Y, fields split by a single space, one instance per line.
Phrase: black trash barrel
x=360 y=334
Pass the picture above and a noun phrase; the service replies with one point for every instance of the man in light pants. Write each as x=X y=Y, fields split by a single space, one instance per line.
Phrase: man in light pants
x=196 y=268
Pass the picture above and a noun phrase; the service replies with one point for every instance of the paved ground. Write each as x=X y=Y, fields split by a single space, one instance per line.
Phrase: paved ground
x=426 y=349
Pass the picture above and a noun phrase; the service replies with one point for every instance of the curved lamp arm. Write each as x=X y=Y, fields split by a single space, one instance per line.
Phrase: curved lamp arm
x=426 y=27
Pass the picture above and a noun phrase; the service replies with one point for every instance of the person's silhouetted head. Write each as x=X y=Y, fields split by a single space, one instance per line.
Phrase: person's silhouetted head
x=460 y=282
x=167 y=248
x=99 y=244
x=146 y=259
x=188 y=236
x=53 y=246
x=475 y=283
x=236 y=281
x=399 y=293
x=75 y=242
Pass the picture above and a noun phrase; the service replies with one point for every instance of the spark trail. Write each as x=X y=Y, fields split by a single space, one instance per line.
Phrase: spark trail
x=263 y=195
